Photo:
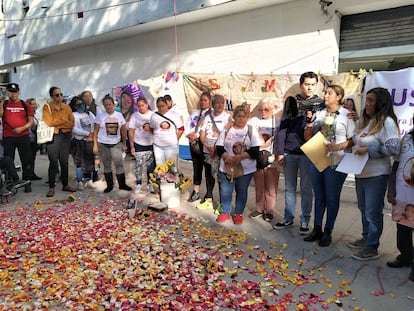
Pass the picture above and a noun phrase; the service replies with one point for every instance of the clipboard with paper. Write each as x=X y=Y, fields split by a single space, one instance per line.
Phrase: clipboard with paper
x=317 y=152
x=352 y=163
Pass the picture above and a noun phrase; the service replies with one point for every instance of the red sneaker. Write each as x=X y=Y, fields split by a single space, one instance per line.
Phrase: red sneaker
x=223 y=217
x=238 y=219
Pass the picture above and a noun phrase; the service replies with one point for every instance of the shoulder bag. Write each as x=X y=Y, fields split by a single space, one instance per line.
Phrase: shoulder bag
x=262 y=160
x=196 y=146
x=44 y=132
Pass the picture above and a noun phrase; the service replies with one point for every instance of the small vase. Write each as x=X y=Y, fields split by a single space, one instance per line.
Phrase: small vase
x=170 y=195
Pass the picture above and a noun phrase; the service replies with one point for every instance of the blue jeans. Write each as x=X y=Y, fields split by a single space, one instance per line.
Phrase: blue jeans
x=370 y=196
x=327 y=187
x=293 y=163
x=241 y=185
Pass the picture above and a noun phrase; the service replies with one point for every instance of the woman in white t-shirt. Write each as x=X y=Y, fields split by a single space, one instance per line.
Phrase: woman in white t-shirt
x=237 y=145
x=401 y=192
x=109 y=141
x=141 y=140
x=333 y=122
x=266 y=179
x=82 y=144
x=167 y=128
x=378 y=135
x=214 y=123
x=193 y=132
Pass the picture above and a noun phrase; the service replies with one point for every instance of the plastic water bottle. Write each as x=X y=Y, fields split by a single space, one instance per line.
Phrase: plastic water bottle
x=97 y=162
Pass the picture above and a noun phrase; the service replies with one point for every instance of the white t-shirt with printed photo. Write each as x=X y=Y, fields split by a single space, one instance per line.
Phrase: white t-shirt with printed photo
x=237 y=141
x=405 y=172
x=83 y=124
x=266 y=129
x=210 y=131
x=192 y=120
x=141 y=123
x=165 y=132
x=109 y=127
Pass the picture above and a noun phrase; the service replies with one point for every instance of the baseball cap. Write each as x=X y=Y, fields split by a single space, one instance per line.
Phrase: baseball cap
x=12 y=87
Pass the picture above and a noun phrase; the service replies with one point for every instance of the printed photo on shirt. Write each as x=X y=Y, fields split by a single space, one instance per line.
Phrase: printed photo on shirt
x=165 y=125
x=86 y=124
x=403 y=213
x=408 y=172
x=111 y=128
x=238 y=148
x=146 y=127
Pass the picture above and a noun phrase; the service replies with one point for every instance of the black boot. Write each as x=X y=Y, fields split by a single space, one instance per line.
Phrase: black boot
x=326 y=238
x=315 y=235
x=411 y=275
x=109 y=182
x=95 y=176
x=121 y=182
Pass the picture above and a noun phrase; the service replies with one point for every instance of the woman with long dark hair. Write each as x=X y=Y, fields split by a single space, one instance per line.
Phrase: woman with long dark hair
x=378 y=136
x=192 y=132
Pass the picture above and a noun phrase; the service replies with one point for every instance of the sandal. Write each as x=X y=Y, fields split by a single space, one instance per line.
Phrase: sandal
x=50 y=193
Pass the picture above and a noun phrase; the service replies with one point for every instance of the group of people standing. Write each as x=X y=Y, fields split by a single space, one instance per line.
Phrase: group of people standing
x=227 y=141
x=229 y=147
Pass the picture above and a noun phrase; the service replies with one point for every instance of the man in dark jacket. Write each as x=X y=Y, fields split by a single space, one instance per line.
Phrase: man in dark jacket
x=291 y=157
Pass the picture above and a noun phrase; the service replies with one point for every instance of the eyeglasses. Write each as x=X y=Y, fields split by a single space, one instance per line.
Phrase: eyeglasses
x=265 y=110
x=58 y=95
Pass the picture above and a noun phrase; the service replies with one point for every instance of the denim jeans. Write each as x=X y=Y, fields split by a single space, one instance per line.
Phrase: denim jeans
x=111 y=154
x=241 y=185
x=327 y=187
x=293 y=163
x=370 y=196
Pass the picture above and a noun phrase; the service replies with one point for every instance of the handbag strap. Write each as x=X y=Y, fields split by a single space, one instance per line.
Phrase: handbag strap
x=199 y=119
x=198 y=122
x=48 y=106
x=273 y=131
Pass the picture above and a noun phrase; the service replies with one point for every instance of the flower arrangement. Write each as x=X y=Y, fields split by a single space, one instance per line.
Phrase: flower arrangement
x=328 y=130
x=168 y=173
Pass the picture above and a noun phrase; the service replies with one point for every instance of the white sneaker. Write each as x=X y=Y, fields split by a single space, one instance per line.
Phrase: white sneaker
x=90 y=184
x=138 y=188
x=80 y=186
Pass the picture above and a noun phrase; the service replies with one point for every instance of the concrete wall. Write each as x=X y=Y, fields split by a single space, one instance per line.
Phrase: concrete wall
x=292 y=37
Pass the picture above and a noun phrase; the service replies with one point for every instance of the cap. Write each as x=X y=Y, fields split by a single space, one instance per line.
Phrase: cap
x=12 y=87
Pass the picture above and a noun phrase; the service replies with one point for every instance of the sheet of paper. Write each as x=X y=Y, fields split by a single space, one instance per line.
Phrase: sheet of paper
x=352 y=163
x=316 y=150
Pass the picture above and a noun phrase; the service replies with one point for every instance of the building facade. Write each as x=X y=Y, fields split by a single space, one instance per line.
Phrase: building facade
x=100 y=44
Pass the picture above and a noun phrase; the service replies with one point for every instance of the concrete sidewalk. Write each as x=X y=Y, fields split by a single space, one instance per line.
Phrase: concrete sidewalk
x=374 y=285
